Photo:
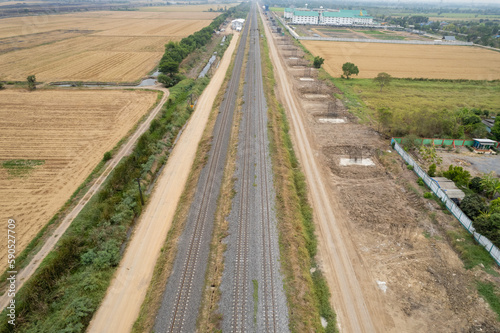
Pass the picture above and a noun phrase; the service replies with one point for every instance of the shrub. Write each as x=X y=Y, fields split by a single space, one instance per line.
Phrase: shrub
x=318 y=61
x=107 y=156
x=473 y=205
x=432 y=170
x=428 y=195
x=458 y=175
x=420 y=181
x=488 y=226
x=475 y=185
x=495 y=206
x=409 y=167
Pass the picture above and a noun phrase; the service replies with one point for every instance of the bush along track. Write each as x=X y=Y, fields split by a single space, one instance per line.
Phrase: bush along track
x=307 y=293
x=69 y=285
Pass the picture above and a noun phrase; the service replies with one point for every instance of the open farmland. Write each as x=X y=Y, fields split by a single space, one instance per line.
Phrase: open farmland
x=96 y=46
x=188 y=8
x=409 y=61
x=50 y=142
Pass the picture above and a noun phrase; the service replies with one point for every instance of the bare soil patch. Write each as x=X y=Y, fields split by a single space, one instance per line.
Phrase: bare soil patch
x=69 y=131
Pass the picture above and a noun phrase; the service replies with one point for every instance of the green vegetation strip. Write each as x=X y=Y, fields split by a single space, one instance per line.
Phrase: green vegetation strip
x=21 y=168
x=70 y=283
x=307 y=294
x=490 y=294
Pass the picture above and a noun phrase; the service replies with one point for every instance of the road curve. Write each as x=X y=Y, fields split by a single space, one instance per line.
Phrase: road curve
x=350 y=305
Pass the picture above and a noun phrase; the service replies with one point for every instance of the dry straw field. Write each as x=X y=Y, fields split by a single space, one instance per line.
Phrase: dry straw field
x=94 y=46
x=50 y=142
x=409 y=61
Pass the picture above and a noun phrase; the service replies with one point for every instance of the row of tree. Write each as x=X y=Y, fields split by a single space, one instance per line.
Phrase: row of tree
x=176 y=52
x=433 y=123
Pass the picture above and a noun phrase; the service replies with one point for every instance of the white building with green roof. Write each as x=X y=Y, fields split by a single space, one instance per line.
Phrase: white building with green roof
x=305 y=17
x=345 y=17
x=288 y=13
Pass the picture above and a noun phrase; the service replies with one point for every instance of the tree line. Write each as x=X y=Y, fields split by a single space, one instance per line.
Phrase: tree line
x=176 y=52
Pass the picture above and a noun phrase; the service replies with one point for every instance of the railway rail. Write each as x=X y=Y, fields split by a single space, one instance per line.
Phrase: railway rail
x=182 y=297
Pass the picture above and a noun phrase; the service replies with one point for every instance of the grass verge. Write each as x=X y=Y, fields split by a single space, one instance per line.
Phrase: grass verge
x=307 y=294
x=490 y=293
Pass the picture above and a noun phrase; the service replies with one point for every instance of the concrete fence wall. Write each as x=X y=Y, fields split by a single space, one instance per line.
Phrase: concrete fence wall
x=450 y=205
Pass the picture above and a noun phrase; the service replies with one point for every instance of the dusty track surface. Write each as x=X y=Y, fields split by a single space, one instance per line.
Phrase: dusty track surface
x=182 y=297
x=91 y=161
x=251 y=265
x=122 y=303
x=356 y=312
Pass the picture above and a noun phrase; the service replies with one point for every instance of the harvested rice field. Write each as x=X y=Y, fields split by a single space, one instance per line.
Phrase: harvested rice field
x=51 y=141
x=94 y=46
x=409 y=61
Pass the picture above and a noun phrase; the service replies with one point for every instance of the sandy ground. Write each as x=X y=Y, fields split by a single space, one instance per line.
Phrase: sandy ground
x=126 y=293
x=476 y=164
x=68 y=130
x=409 y=61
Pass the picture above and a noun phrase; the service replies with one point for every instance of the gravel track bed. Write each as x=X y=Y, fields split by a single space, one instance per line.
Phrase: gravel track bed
x=182 y=297
x=252 y=255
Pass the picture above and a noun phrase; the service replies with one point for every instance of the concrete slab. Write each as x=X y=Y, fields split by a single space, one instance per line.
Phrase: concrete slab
x=361 y=162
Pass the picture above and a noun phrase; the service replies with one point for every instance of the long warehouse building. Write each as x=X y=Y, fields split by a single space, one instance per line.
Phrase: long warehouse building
x=328 y=17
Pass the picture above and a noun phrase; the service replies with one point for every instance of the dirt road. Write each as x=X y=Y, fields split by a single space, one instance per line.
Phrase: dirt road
x=125 y=150
x=354 y=296
x=126 y=293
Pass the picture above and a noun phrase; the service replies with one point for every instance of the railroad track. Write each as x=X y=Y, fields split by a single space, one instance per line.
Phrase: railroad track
x=256 y=253
x=181 y=301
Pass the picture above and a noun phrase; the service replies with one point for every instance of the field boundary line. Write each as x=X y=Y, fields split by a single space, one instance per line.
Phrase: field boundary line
x=25 y=273
x=450 y=205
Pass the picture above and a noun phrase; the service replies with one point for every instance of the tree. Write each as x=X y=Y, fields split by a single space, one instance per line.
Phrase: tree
x=472 y=205
x=383 y=79
x=349 y=69
x=495 y=130
x=31 y=82
x=491 y=184
x=318 y=61
x=495 y=206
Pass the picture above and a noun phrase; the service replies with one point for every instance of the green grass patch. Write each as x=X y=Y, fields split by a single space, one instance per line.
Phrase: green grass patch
x=255 y=300
x=334 y=30
x=370 y=32
x=277 y=9
x=490 y=294
x=406 y=97
x=21 y=168
x=471 y=253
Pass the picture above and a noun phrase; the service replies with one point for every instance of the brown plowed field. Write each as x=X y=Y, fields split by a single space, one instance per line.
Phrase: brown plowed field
x=97 y=46
x=409 y=61
x=69 y=131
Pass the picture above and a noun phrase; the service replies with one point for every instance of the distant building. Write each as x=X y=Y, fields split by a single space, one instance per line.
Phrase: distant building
x=237 y=24
x=345 y=17
x=449 y=38
x=305 y=17
x=288 y=13
x=328 y=17
x=484 y=144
